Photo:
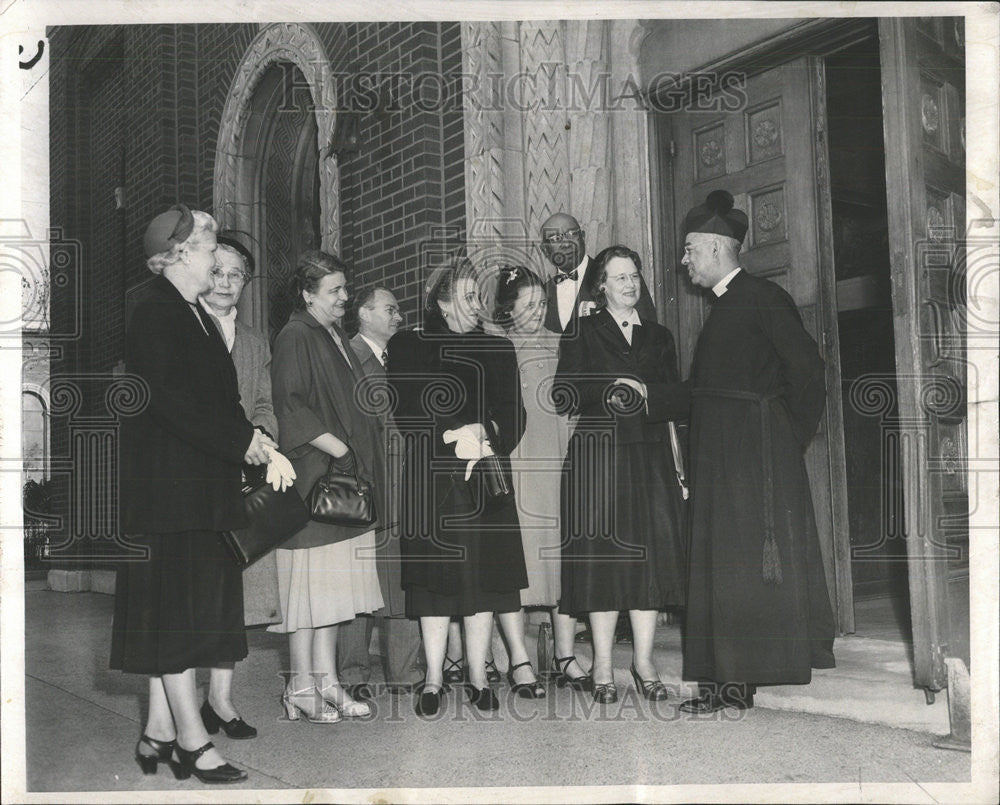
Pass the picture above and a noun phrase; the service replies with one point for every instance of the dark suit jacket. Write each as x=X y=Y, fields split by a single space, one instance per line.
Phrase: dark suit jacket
x=644 y=307
x=387 y=549
x=181 y=456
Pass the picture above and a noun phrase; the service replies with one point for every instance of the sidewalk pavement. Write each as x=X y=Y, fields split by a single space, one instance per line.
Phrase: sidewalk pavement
x=83 y=721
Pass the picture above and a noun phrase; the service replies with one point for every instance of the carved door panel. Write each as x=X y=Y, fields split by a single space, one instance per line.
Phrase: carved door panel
x=923 y=92
x=771 y=155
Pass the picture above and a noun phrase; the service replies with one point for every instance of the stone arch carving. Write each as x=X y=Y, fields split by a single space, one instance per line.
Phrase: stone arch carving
x=300 y=45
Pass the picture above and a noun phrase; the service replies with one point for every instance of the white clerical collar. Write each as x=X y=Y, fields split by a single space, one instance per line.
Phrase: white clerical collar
x=722 y=285
x=376 y=349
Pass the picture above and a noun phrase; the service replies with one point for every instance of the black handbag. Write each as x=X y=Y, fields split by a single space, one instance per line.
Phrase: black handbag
x=342 y=498
x=274 y=517
x=497 y=481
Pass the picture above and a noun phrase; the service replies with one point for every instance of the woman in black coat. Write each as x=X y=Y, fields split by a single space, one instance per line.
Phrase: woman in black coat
x=182 y=607
x=621 y=500
x=457 y=398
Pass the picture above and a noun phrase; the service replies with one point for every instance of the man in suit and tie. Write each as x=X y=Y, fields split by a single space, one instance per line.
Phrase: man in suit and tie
x=569 y=292
x=399 y=638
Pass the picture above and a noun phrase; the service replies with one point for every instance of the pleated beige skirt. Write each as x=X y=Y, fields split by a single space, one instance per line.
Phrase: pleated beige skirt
x=328 y=584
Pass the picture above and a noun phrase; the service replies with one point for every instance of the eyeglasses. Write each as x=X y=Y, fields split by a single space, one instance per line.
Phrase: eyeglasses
x=234 y=277
x=559 y=237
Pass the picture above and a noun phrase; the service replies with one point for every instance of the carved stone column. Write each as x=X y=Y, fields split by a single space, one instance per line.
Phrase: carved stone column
x=542 y=95
x=588 y=130
x=630 y=155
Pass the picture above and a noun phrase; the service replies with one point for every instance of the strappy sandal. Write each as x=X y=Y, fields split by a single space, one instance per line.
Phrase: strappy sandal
x=526 y=690
x=327 y=713
x=605 y=693
x=652 y=689
x=454 y=671
x=559 y=666
x=348 y=709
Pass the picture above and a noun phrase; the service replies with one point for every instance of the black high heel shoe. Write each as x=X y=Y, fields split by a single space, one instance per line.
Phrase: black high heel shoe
x=493 y=676
x=526 y=690
x=454 y=672
x=559 y=666
x=237 y=728
x=653 y=689
x=185 y=766
x=164 y=751
x=605 y=693
x=428 y=702
x=485 y=699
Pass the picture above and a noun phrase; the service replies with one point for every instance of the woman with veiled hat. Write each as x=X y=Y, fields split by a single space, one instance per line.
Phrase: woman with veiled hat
x=457 y=400
x=181 y=607
x=622 y=548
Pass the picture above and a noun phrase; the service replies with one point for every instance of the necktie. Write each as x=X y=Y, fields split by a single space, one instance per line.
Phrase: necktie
x=562 y=277
x=385 y=357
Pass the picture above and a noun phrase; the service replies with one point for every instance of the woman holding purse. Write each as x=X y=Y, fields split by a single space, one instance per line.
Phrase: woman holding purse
x=326 y=573
x=181 y=608
x=457 y=401
x=622 y=547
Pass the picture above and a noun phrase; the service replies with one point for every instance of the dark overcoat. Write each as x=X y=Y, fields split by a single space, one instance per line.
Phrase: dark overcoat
x=181 y=456
x=313 y=387
x=622 y=541
x=644 y=308
x=758 y=609
x=442 y=381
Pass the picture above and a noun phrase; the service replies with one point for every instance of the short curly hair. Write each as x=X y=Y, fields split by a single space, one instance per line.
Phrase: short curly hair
x=599 y=270
x=310 y=269
x=203 y=222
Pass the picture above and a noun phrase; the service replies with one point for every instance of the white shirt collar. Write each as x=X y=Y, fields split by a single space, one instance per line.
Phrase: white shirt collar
x=375 y=347
x=568 y=290
x=723 y=285
x=227 y=321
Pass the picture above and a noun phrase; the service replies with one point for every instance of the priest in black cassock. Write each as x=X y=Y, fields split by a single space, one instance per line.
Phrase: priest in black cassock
x=568 y=292
x=758 y=611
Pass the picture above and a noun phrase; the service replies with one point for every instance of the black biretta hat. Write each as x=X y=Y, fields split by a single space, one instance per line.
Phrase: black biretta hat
x=717 y=217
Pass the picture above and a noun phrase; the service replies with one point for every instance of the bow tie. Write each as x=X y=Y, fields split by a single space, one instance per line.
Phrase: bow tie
x=561 y=277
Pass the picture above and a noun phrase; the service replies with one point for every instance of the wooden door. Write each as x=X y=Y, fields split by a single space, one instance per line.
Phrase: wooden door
x=923 y=95
x=771 y=155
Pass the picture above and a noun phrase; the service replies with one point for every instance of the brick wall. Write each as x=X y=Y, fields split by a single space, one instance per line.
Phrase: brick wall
x=140 y=107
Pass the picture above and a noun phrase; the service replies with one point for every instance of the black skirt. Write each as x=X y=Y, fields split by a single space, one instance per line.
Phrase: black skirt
x=180 y=608
x=622 y=545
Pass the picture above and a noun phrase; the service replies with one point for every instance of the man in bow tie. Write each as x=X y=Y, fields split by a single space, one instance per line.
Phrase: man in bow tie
x=569 y=291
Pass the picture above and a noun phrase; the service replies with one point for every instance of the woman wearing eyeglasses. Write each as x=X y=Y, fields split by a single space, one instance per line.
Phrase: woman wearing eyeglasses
x=621 y=499
x=251 y=355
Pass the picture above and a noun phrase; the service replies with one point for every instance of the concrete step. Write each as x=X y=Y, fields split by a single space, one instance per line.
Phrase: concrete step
x=872 y=683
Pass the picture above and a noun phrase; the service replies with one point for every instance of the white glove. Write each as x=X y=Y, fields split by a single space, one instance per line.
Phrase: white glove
x=279 y=470
x=471 y=444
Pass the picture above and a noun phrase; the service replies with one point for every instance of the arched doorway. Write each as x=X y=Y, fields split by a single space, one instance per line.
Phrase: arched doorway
x=275 y=178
